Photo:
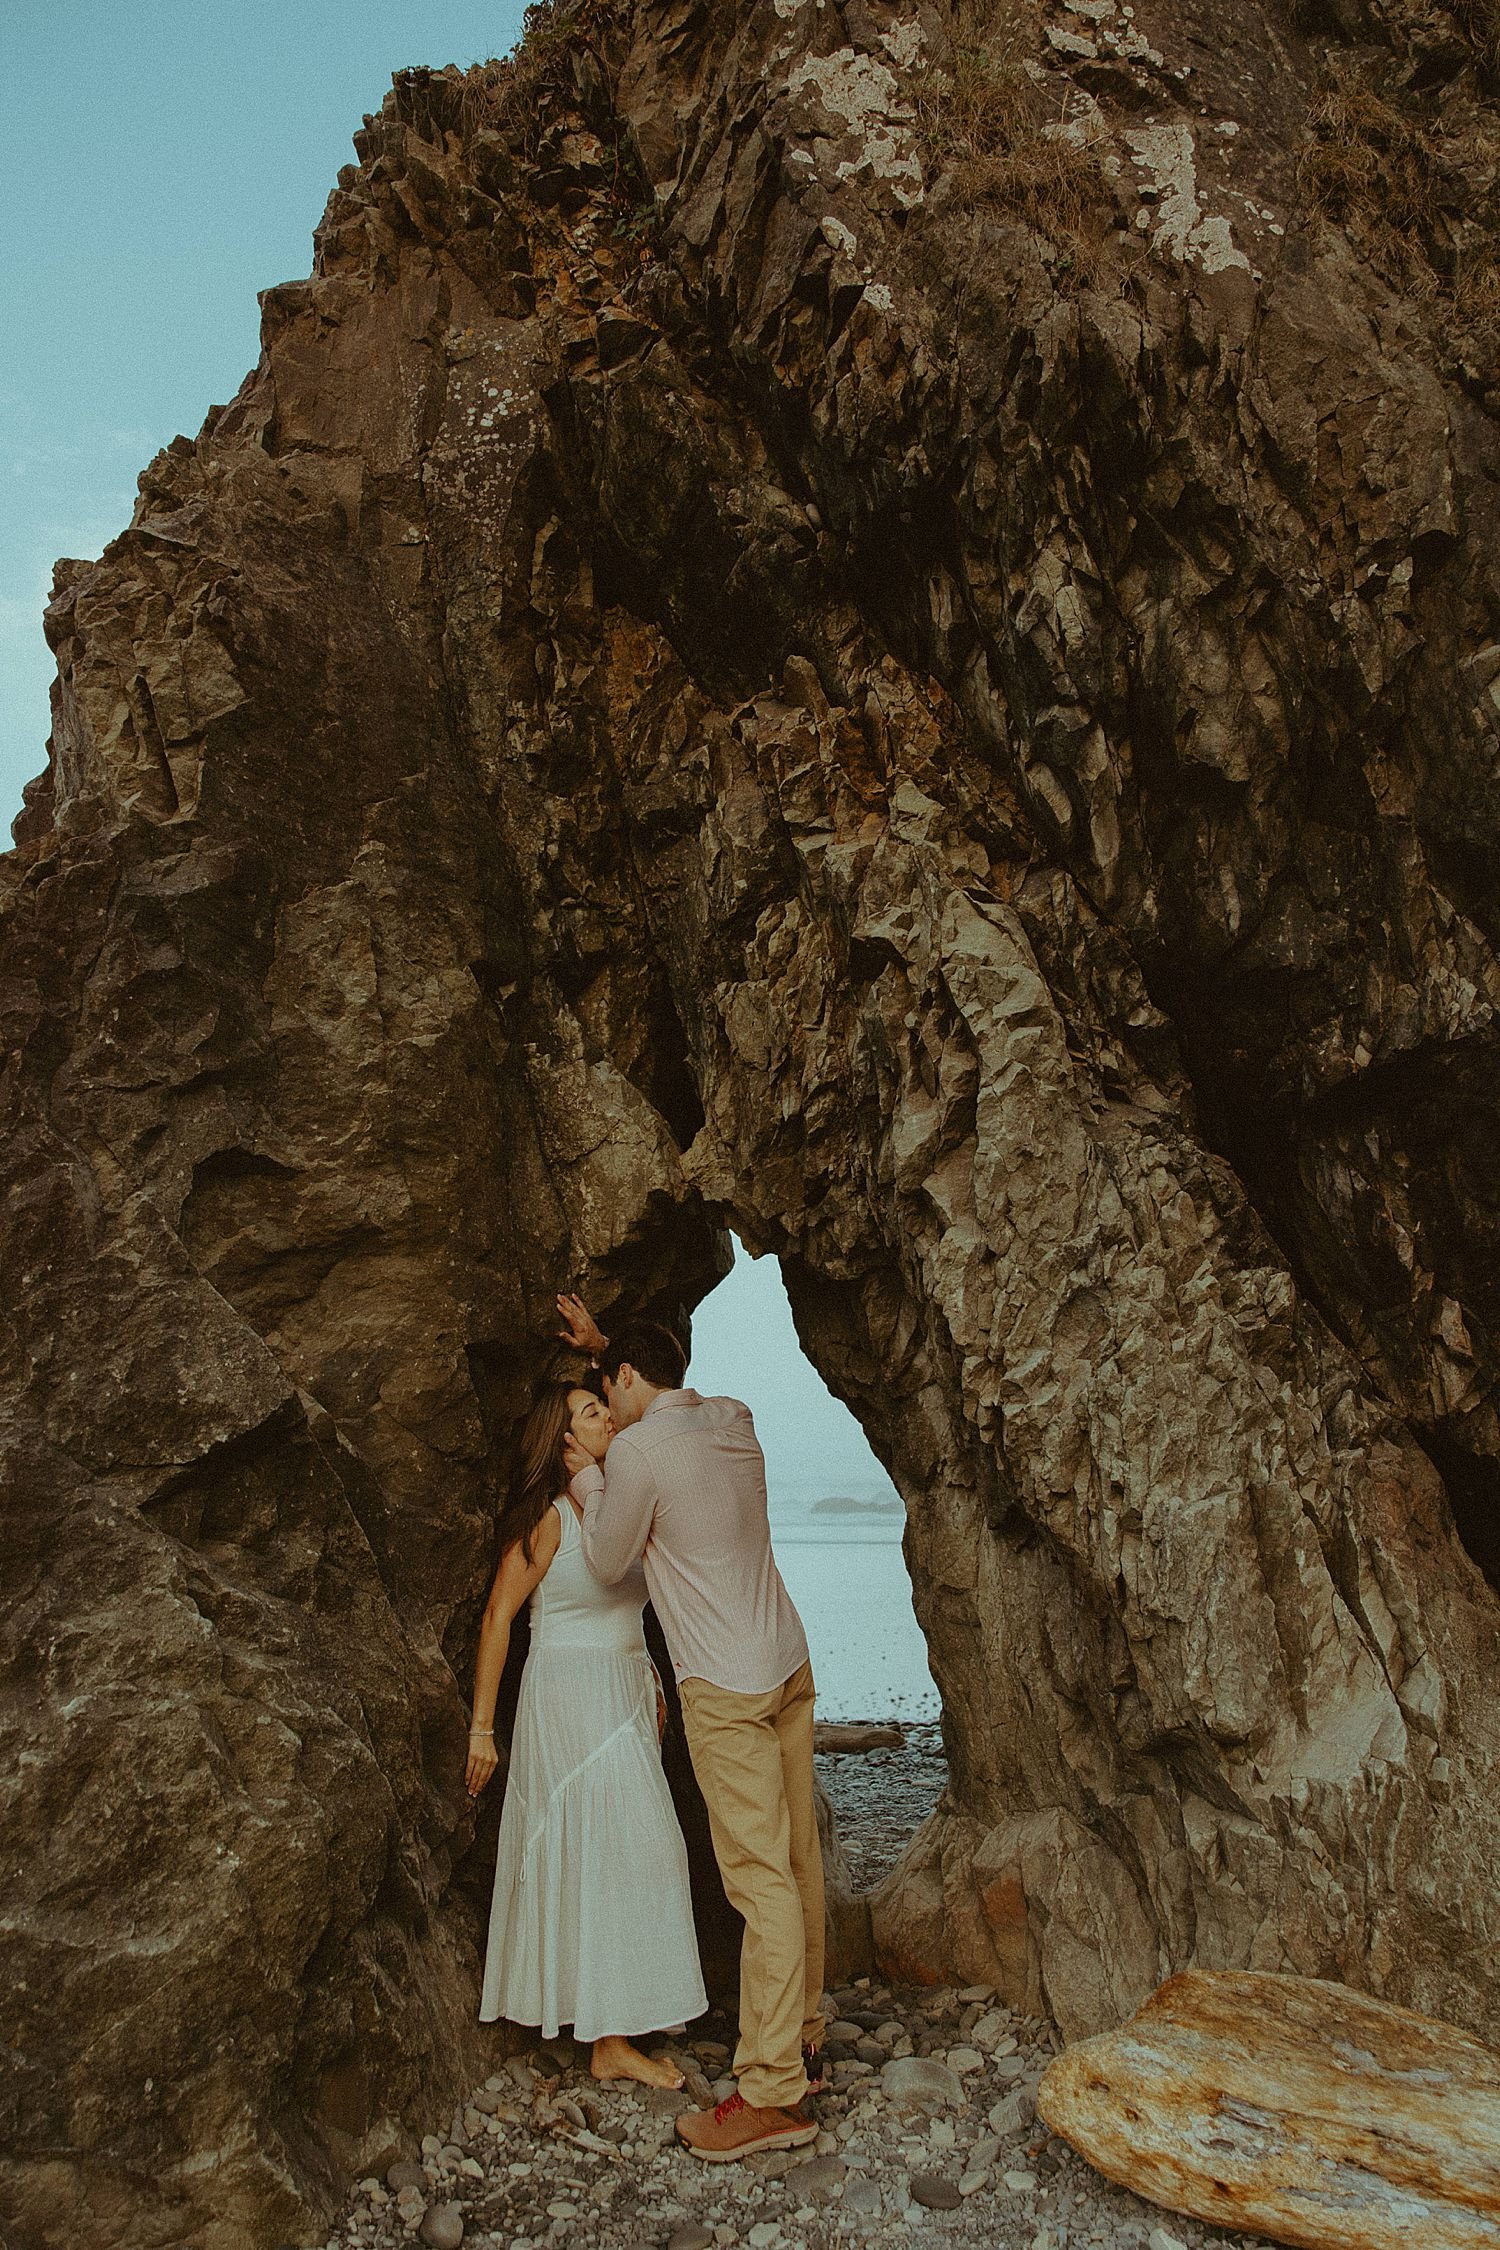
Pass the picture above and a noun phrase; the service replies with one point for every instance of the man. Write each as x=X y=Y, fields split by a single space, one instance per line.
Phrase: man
x=682 y=1489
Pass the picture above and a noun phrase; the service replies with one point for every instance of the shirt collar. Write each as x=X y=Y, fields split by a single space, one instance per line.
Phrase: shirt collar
x=672 y=1398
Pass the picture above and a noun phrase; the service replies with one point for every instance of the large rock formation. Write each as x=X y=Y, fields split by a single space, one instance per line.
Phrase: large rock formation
x=877 y=628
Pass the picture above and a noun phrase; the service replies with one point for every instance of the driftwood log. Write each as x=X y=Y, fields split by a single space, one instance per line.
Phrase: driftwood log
x=1293 y=2108
x=828 y=1735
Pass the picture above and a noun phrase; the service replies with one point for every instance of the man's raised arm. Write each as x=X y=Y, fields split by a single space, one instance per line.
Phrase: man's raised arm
x=618 y=1503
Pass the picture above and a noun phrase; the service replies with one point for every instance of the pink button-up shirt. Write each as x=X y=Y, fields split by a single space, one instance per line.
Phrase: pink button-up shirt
x=684 y=1491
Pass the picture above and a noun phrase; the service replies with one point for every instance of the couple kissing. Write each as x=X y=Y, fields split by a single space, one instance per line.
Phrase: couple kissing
x=646 y=1488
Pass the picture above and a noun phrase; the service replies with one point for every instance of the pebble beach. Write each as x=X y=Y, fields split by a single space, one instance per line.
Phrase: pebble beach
x=928 y=2127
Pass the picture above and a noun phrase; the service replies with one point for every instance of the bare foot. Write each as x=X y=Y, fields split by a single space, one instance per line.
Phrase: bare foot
x=616 y=2058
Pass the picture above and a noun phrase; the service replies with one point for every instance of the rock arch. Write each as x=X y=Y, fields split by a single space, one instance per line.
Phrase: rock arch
x=629 y=723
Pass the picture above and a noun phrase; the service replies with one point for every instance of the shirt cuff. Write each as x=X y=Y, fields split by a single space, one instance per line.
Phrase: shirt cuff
x=587 y=1481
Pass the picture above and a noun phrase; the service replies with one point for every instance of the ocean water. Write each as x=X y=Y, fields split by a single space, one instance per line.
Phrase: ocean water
x=847 y=1576
x=844 y=1570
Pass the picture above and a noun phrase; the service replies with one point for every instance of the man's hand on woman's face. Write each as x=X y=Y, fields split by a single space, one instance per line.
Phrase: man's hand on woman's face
x=590 y=1425
x=575 y=1457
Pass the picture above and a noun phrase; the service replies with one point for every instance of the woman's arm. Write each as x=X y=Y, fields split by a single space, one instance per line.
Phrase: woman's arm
x=580 y=1329
x=515 y=1581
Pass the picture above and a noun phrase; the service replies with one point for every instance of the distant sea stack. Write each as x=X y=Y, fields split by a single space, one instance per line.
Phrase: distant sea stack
x=840 y=1505
x=876 y=626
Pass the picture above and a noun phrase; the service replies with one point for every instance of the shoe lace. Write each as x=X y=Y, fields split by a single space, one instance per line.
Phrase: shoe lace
x=731 y=2105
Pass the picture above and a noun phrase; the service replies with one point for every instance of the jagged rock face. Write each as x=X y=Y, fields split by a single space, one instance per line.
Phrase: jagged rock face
x=712 y=675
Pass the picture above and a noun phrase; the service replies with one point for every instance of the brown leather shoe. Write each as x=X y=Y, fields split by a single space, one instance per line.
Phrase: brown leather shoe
x=736 y=2128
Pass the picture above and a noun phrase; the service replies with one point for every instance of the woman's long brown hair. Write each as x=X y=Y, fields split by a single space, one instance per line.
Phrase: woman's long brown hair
x=539 y=1473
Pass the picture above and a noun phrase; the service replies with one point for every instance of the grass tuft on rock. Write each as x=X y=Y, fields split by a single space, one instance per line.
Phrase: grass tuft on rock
x=561 y=47
x=1479 y=22
x=1390 y=179
x=1367 y=164
x=560 y=76
x=1000 y=127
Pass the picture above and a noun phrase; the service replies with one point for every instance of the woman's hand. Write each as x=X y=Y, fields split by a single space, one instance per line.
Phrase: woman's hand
x=661 y=1704
x=484 y=1760
x=580 y=1329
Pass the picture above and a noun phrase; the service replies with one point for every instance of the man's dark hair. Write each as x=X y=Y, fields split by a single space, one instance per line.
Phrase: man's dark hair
x=653 y=1351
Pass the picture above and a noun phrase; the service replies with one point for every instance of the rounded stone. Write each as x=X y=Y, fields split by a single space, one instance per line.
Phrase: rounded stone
x=933 y=2192
x=921 y=2082
x=992 y=2033
x=820 y=2176
x=1013 y=2115
x=405 y=2176
x=442 y=2227
x=691 y=2235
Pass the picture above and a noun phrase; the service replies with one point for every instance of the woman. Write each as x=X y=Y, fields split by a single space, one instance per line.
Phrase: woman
x=592 y=1923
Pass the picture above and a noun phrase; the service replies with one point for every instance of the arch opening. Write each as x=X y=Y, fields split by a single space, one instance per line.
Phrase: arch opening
x=837 y=1524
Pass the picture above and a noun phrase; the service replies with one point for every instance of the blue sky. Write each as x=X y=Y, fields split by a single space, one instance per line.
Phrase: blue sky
x=162 y=161
x=745 y=1346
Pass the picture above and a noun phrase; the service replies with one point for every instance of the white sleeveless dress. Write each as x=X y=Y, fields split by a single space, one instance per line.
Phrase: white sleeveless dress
x=592 y=1921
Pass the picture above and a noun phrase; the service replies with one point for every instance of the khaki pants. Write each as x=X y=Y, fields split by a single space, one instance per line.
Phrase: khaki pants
x=753 y=1758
